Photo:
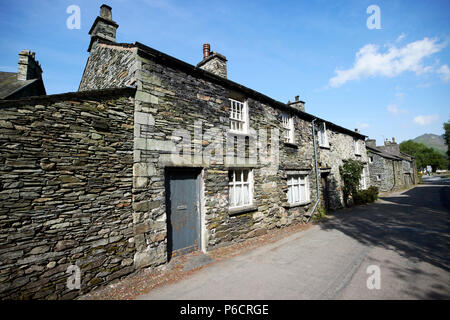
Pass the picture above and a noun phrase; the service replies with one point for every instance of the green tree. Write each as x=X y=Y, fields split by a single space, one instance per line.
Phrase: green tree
x=350 y=173
x=424 y=156
x=447 y=137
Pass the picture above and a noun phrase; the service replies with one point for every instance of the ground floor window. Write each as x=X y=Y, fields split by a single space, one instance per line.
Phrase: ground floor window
x=240 y=187
x=298 y=189
x=362 y=182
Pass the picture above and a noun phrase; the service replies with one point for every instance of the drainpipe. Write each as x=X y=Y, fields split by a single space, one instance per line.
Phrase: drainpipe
x=317 y=171
x=393 y=171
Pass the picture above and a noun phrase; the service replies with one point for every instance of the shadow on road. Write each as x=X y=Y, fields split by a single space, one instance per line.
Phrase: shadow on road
x=415 y=224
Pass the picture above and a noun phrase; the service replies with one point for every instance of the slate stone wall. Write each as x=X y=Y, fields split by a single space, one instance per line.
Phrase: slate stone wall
x=66 y=192
x=341 y=147
x=170 y=103
x=109 y=66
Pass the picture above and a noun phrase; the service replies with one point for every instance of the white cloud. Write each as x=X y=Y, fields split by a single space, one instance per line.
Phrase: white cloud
x=370 y=62
x=400 y=37
x=362 y=125
x=444 y=71
x=426 y=119
x=394 y=109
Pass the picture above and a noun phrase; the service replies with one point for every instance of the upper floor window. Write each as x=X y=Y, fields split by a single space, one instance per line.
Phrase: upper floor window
x=357 y=150
x=298 y=189
x=240 y=187
x=288 y=125
x=238 y=116
x=322 y=135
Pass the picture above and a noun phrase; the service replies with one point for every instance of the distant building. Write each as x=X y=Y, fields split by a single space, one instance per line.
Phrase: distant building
x=390 y=169
x=26 y=82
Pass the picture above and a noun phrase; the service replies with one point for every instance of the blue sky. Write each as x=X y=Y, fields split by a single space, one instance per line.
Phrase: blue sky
x=388 y=82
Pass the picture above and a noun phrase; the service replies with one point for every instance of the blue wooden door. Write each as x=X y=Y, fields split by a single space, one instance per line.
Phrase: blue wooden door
x=182 y=187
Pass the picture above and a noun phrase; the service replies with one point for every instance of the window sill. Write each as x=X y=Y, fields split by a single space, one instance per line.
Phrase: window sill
x=291 y=145
x=240 y=210
x=295 y=205
x=238 y=133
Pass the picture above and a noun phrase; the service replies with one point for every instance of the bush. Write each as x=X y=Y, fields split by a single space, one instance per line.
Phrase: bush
x=350 y=173
x=365 y=196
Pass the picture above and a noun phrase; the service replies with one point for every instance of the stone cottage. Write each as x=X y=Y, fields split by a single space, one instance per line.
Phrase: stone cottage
x=26 y=82
x=390 y=169
x=152 y=158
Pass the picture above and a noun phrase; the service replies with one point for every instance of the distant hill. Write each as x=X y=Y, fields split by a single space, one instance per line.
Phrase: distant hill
x=432 y=141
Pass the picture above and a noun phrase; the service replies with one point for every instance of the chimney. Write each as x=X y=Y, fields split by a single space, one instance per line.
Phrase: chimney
x=356 y=130
x=391 y=147
x=104 y=27
x=29 y=68
x=371 y=143
x=213 y=62
x=297 y=104
x=206 y=50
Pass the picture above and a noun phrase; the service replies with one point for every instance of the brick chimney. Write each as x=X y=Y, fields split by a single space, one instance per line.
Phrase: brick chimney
x=213 y=62
x=104 y=27
x=29 y=68
x=297 y=104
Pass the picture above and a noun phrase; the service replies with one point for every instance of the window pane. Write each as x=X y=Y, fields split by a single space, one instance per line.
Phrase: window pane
x=238 y=195
x=246 y=194
x=238 y=175
x=296 y=193
x=290 y=200
x=302 y=194
x=231 y=196
x=246 y=175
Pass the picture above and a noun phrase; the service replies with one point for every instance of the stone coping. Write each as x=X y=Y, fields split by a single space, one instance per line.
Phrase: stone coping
x=76 y=96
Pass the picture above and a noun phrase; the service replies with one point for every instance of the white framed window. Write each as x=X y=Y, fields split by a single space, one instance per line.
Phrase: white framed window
x=238 y=116
x=362 y=181
x=378 y=177
x=298 y=189
x=357 y=150
x=322 y=135
x=371 y=159
x=240 y=187
x=288 y=125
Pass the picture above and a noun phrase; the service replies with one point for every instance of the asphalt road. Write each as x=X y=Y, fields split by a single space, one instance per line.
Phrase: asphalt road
x=405 y=236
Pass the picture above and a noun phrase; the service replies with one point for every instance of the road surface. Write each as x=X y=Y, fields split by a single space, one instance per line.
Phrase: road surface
x=405 y=236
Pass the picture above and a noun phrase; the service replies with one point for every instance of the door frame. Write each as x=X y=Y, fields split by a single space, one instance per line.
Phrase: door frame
x=199 y=173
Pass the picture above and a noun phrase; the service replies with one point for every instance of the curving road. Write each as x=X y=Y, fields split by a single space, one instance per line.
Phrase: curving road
x=406 y=235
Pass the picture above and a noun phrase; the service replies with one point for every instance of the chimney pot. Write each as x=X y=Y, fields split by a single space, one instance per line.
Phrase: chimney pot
x=106 y=12
x=393 y=139
x=356 y=130
x=206 y=50
x=297 y=98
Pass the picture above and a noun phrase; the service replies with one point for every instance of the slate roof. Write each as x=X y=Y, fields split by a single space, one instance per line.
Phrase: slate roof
x=385 y=154
x=10 y=85
x=190 y=69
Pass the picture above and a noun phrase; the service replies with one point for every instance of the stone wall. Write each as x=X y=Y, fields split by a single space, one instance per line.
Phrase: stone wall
x=341 y=147
x=109 y=66
x=169 y=100
x=396 y=174
x=66 y=192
